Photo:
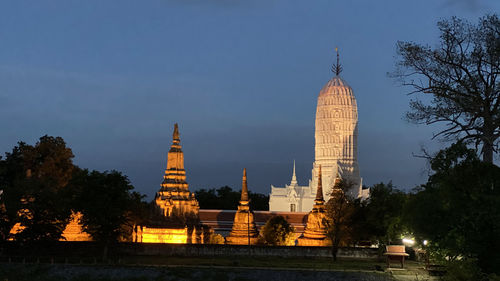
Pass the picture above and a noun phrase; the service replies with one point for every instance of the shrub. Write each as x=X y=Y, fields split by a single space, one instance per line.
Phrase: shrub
x=278 y=232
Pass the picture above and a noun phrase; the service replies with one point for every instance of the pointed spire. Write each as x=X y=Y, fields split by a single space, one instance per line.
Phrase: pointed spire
x=319 y=193
x=337 y=68
x=175 y=161
x=176 y=136
x=294 y=177
x=244 y=187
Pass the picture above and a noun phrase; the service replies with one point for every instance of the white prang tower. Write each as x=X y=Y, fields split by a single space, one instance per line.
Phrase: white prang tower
x=336 y=135
x=335 y=149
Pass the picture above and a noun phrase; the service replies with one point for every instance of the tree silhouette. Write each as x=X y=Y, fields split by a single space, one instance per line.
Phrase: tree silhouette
x=460 y=79
x=34 y=181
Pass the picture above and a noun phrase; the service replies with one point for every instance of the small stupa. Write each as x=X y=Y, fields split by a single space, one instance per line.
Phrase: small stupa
x=74 y=230
x=244 y=231
x=174 y=198
x=315 y=233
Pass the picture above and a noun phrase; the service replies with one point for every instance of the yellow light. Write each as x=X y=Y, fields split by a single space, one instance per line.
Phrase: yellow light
x=408 y=241
x=164 y=235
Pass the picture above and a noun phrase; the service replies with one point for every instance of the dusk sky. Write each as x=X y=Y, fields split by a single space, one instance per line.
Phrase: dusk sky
x=240 y=77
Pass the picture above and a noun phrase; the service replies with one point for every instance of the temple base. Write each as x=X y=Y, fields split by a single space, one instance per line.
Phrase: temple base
x=241 y=240
x=243 y=227
x=320 y=242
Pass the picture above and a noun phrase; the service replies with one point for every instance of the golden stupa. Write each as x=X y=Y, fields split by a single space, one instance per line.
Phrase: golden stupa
x=315 y=233
x=244 y=231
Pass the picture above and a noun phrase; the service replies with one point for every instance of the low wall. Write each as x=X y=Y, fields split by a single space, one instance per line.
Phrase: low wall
x=239 y=250
x=85 y=249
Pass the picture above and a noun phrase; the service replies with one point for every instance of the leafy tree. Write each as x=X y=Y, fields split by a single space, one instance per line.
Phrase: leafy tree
x=458 y=209
x=109 y=206
x=278 y=232
x=340 y=209
x=222 y=198
x=259 y=201
x=34 y=179
x=380 y=217
x=12 y=175
x=460 y=79
x=225 y=198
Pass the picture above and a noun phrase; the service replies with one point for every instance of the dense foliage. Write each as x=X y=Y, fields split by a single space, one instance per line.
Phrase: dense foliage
x=225 y=198
x=277 y=232
x=113 y=209
x=34 y=181
x=41 y=187
x=378 y=219
x=458 y=209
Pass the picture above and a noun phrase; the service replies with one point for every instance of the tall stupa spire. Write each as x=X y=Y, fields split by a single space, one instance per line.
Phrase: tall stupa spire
x=294 y=177
x=244 y=189
x=244 y=230
x=175 y=158
x=316 y=229
x=175 y=136
x=319 y=192
x=336 y=133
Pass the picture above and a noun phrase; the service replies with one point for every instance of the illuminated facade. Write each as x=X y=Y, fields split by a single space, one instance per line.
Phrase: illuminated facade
x=143 y=234
x=335 y=150
x=244 y=231
x=174 y=197
x=316 y=229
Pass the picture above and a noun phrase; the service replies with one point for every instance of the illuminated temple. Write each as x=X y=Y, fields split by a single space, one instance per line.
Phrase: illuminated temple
x=244 y=231
x=335 y=149
x=175 y=203
x=174 y=197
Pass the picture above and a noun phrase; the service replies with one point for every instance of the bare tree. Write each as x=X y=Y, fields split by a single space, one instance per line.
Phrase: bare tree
x=459 y=78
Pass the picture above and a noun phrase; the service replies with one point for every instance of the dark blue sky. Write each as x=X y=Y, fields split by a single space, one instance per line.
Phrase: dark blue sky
x=240 y=77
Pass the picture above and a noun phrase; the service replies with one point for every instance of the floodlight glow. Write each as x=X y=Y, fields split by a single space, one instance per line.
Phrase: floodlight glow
x=426 y=242
x=408 y=241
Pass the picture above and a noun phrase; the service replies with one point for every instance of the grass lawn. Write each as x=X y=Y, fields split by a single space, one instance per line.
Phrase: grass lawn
x=412 y=271
x=215 y=268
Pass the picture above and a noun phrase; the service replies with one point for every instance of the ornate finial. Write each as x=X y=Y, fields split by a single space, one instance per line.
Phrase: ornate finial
x=294 y=177
x=176 y=136
x=244 y=187
x=337 y=68
x=319 y=193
